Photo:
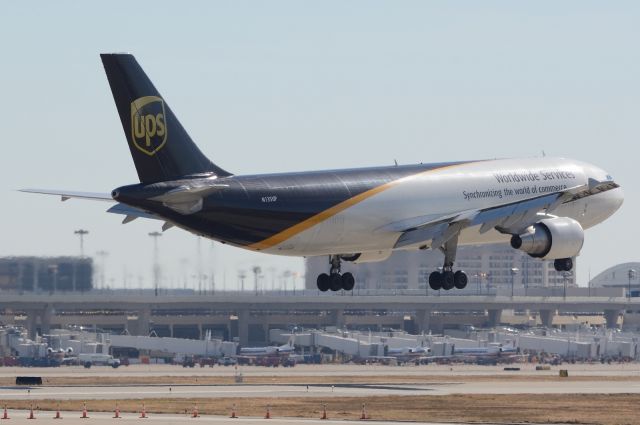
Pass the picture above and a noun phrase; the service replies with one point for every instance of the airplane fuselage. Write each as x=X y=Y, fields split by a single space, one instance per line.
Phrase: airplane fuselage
x=369 y=209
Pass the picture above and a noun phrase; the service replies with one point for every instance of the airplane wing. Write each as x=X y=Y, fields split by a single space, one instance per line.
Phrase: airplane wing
x=508 y=218
x=66 y=194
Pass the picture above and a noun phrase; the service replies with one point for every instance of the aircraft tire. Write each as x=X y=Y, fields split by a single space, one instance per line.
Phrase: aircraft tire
x=460 y=279
x=447 y=280
x=563 y=264
x=348 y=281
x=435 y=281
x=323 y=282
x=335 y=282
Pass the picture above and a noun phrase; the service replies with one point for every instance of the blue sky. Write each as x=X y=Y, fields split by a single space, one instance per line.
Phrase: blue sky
x=288 y=86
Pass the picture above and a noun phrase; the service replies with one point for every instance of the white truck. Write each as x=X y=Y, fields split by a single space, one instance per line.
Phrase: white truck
x=91 y=359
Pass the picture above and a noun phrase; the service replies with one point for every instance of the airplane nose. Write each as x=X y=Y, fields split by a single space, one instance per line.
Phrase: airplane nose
x=618 y=198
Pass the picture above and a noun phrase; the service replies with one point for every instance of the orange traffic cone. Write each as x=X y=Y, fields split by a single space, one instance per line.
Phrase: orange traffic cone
x=5 y=415
x=143 y=414
x=363 y=416
x=116 y=413
x=31 y=415
x=58 y=415
x=84 y=411
x=324 y=412
x=195 y=413
x=268 y=414
x=233 y=412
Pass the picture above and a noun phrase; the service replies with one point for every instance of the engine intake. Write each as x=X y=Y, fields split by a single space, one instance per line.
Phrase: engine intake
x=552 y=238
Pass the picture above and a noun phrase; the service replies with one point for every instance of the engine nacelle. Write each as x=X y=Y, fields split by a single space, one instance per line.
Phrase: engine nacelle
x=551 y=238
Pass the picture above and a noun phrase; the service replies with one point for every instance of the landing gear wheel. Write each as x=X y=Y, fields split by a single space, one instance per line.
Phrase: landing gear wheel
x=348 y=281
x=323 y=282
x=335 y=282
x=563 y=264
x=435 y=281
x=447 y=280
x=460 y=279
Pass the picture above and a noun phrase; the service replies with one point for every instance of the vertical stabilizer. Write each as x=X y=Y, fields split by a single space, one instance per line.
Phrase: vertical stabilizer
x=161 y=148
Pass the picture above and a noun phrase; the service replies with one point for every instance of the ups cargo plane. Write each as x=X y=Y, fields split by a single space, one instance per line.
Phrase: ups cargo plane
x=540 y=205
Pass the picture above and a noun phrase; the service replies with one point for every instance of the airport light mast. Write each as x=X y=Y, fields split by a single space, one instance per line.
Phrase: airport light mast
x=156 y=264
x=102 y=254
x=81 y=233
x=630 y=275
x=514 y=272
x=256 y=275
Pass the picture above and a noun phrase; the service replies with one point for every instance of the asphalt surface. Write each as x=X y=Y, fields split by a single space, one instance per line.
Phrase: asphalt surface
x=595 y=370
x=325 y=391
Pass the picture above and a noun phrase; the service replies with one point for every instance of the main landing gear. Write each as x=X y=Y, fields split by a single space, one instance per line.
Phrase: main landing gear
x=563 y=264
x=448 y=279
x=334 y=280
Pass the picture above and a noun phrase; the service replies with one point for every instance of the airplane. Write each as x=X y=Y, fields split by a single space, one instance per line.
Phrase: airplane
x=493 y=350
x=408 y=354
x=408 y=351
x=539 y=205
x=477 y=351
x=268 y=351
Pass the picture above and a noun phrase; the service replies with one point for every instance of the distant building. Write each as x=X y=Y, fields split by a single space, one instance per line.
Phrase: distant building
x=46 y=274
x=621 y=276
x=486 y=266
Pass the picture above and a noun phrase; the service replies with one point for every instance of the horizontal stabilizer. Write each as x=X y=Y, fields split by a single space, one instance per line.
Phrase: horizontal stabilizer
x=66 y=194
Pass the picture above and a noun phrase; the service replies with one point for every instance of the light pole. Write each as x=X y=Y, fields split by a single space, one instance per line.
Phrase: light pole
x=285 y=278
x=81 y=233
x=514 y=272
x=631 y=275
x=241 y=276
x=256 y=273
x=156 y=265
x=102 y=254
x=565 y=278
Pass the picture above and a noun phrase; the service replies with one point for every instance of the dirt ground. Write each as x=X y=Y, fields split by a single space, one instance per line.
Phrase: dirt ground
x=506 y=409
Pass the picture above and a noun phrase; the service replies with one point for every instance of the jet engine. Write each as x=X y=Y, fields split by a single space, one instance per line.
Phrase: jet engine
x=552 y=238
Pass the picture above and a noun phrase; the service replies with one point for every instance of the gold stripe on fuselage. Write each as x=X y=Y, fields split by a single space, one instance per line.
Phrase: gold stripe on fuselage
x=292 y=231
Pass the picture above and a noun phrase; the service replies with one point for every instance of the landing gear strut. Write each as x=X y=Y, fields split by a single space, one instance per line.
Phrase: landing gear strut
x=447 y=279
x=334 y=280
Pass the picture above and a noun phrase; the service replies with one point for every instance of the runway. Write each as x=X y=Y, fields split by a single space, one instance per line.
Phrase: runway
x=325 y=391
x=205 y=391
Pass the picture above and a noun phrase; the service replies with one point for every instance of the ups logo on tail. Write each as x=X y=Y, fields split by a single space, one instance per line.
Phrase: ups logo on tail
x=148 y=125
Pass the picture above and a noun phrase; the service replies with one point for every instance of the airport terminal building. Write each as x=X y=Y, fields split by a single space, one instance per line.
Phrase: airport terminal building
x=50 y=274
